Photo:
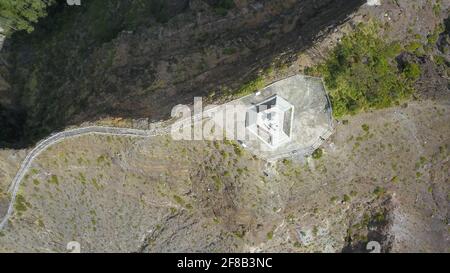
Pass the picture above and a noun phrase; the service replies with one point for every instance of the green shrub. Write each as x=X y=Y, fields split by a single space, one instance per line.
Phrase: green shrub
x=361 y=73
x=317 y=154
x=437 y=9
x=380 y=217
x=229 y=51
x=365 y=127
x=53 y=180
x=21 y=204
x=433 y=37
x=439 y=60
x=217 y=183
x=414 y=46
x=223 y=6
x=379 y=191
x=178 y=199
x=159 y=9
x=250 y=87
x=346 y=198
x=238 y=150
x=22 y=14
x=412 y=71
x=287 y=162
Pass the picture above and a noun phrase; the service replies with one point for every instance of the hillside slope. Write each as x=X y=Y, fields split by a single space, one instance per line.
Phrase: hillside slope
x=137 y=59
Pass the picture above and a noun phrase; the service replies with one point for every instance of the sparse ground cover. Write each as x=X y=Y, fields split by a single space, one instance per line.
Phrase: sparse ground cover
x=147 y=195
x=383 y=176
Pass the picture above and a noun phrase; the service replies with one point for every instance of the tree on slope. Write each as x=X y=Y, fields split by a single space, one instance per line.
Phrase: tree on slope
x=18 y=15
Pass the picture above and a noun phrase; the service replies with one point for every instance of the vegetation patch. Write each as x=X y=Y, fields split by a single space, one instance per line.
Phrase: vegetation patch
x=365 y=127
x=379 y=192
x=18 y=15
x=179 y=200
x=362 y=73
x=53 y=180
x=218 y=183
x=250 y=87
x=237 y=149
x=222 y=7
x=229 y=51
x=141 y=9
x=21 y=204
x=346 y=198
x=270 y=235
x=317 y=154
x=96 y=184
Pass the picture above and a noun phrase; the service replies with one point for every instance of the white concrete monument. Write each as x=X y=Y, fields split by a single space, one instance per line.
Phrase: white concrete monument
x=271 y=121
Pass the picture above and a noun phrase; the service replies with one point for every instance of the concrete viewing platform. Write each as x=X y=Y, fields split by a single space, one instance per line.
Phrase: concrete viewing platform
x=311 y=123
x=289 y=118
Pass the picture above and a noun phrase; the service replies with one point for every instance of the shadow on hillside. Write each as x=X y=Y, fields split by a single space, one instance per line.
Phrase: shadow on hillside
x=103 y=60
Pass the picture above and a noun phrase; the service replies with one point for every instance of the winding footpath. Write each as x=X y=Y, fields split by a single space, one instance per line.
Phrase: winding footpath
x=58 y=137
